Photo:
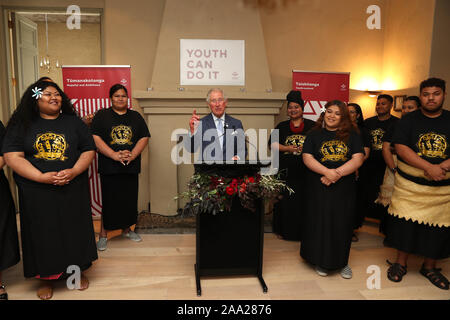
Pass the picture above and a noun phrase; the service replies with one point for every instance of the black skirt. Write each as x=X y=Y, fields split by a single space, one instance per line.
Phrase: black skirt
x=56 y=227
x=416 y=238
x=119 y=200
x=371 y=178
x=288 y=212
x=329 y=220
x=360 y=210
x=9 y=242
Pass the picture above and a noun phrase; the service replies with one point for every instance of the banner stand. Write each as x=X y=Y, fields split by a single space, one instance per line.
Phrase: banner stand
x=87 y=87
x=318 y=88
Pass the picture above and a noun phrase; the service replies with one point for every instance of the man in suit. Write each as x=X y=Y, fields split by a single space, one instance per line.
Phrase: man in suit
x=220 y=136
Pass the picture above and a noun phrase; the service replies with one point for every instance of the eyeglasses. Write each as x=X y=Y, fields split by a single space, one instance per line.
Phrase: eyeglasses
x=220 y=100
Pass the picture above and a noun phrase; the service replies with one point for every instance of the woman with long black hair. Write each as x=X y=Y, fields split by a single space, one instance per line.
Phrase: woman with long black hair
x=49 y=149
x=332 y=152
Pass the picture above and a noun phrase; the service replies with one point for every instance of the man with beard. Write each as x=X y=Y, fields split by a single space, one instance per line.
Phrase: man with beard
x=419 y=215
x=372 y=171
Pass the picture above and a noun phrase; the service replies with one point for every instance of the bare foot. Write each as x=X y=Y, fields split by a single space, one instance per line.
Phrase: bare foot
x=84 y=283
x=45 y=291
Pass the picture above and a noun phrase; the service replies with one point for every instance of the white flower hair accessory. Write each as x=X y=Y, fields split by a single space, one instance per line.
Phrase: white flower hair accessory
x=37 y=92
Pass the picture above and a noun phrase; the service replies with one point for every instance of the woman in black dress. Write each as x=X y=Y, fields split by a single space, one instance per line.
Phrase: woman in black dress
x=332 y=152
x=120 y=135
x=9 y=243
x=287 y=213
x=358 y=120
x=49 y=149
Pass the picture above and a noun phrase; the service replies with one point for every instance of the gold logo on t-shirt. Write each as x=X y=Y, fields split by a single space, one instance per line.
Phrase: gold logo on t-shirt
x=296 y=140
x=377 y=138
x=121 y=135
x=432 y=145
x=334 y=150
x=51 y=146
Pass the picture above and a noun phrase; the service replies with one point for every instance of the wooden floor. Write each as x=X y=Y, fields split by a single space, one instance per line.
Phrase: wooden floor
x=162 y=267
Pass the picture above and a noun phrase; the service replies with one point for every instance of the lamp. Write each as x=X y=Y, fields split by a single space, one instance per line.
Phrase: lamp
x=372 y=93
x=45 y=61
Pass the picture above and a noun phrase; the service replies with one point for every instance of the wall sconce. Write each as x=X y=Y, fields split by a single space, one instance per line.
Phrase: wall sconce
x=373 y=94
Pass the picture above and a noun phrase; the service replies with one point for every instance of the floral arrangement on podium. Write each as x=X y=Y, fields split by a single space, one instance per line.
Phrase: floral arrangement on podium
x=215 y=194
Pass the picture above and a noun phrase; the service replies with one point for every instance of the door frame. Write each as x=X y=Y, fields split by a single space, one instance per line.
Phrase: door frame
x=13 y=98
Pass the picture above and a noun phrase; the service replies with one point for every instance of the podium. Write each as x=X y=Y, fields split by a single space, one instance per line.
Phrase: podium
x=231 y=242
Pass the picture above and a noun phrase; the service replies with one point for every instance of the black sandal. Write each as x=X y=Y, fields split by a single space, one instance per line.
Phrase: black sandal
x=435 y=277
x=396 y=271
x=3 y=296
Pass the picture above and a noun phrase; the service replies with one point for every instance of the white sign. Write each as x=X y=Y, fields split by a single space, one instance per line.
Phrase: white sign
x=212 y=62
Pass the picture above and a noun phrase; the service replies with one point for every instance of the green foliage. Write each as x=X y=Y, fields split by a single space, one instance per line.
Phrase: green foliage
x=214 y=194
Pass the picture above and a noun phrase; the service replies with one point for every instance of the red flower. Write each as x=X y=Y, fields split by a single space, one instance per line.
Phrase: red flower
x=234 y=182
x=229 y=191
x=243 y=187
x=251 y=180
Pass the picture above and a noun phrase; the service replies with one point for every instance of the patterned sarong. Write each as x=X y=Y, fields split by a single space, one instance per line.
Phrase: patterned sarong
x=423 y=201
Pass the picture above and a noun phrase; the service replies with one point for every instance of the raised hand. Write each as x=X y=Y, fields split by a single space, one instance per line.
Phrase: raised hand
x=193 y=122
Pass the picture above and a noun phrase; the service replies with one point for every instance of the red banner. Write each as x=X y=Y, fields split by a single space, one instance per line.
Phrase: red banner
x=88 y=89
x=320 y=87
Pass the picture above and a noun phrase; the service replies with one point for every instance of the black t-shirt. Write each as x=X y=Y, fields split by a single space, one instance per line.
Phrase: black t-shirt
x=119 y=132
x=364 y=136
x=376 y=130
x=329 y=150
x=428 y=137
x=2 y=134
x=389 y=133
x=50 y=145
x=286 y=137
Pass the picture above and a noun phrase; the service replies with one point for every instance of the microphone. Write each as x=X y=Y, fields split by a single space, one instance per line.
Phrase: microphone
x=255 y=147
x=247 y=141
x=224 y=131
x=234 y=131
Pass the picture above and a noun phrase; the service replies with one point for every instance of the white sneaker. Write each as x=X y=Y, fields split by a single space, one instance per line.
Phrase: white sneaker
x=101 y=244
x=132 y=236
x=322 y=272
x=346 y=272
